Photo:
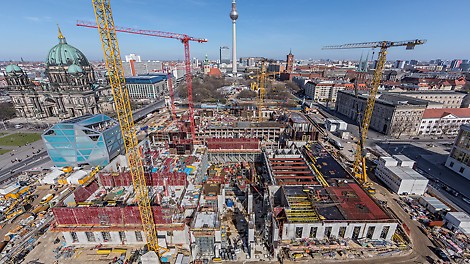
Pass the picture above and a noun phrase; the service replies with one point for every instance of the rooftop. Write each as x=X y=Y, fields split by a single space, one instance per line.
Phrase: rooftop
x=145 y=79
x=443 y=112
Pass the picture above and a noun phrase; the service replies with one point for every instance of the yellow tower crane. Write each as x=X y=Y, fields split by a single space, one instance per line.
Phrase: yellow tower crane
x=112 y=56
x=359 y=167
x=260 y=87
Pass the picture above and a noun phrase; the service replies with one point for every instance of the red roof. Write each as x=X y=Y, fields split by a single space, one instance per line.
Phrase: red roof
x=215 y=72
x=438 y=113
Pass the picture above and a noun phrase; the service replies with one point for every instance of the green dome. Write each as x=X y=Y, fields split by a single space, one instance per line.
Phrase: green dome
x=13 y=68
x=64 y=54
x=74 y=68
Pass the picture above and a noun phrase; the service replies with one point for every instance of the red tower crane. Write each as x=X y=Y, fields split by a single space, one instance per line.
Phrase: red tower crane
x=185 y=39
x=172 y=97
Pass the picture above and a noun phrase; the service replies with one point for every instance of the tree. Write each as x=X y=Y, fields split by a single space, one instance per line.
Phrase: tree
x=277 y=92
x=7 y=111
x=247 y=94
x=293 y=86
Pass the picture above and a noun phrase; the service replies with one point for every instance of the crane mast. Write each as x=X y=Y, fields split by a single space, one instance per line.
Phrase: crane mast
x=359 y=167
x=185 y=39
x=112 y=56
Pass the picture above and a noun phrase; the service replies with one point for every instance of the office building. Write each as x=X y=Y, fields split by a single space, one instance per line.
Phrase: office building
x=393 y=114
x=443 y=121
x=459 y=157
x=89 y=139
x=152 y=87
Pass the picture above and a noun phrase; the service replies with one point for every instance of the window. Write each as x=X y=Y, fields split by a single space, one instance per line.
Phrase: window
x=342 y=231
x=313 y=232
x=298 y=232
x=106 y=236
x=90 y=236
x=328 y=231
x=138 y=236
x=122 y=236
x=74 y=237
x=462 y=169
x=384 y=233
x=451 y=164
x=370 y=232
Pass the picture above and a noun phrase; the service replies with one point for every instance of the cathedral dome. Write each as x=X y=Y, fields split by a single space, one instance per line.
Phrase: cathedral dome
x=64 y=54
x=74 y=69
x=13 y=69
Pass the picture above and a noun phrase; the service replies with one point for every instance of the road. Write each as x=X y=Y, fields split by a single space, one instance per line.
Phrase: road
x=420 y=242
x=430 y=164
x=25 y=164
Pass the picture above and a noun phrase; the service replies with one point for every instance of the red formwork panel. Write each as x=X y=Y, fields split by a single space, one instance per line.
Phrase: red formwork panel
x=117 y=216
x=87 y=215
x=131 y=215
x=161 y=216
x=107 y=179
x=232 y=143
x=82 y=193
x=64 y=216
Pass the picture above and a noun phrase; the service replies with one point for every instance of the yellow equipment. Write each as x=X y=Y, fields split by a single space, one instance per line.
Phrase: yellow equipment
x=112 y=56
x=260 y=87
x=359 y=168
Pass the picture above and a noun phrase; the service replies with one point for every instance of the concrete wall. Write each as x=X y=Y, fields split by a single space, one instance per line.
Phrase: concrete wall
x=289 y=230
x=178 y=237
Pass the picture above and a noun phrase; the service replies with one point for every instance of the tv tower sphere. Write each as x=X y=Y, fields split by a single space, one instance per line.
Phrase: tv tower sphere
x=234 y=13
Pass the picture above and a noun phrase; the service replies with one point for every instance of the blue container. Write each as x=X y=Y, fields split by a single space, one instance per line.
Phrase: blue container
x=229 y=203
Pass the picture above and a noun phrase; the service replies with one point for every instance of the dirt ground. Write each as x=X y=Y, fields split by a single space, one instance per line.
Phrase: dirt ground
x=44 y=253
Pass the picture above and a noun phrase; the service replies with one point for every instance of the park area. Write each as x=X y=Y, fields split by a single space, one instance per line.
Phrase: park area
x=19 y=139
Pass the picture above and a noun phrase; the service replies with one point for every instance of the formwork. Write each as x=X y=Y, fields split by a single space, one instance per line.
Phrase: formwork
x=107 y=216
x=355 y=204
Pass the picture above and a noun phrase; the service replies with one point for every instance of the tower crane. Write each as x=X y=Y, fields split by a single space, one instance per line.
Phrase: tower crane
x=112 y=56
x=172 y=97
x=359 y=167
x=185 y=39
x=260 y=86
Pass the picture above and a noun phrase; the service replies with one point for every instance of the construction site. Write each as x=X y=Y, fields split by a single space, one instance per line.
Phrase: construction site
x=247 y=181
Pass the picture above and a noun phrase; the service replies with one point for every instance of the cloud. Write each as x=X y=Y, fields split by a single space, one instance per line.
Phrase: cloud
x=37 y=19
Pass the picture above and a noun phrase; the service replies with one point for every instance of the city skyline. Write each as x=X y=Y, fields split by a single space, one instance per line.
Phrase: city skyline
x=261 y=24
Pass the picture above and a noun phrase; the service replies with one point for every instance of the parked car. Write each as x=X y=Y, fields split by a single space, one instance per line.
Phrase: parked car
x=442 y=255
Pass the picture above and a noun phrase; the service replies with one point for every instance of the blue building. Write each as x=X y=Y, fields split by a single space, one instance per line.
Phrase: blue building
x=89 y=139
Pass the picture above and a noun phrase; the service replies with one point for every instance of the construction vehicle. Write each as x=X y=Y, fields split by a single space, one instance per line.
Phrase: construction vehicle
x=359 y=167
x=46 y=198
x=185 y=39
x=112 y=57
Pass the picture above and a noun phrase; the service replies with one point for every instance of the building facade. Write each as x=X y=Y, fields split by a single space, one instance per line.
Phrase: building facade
x=450 y=99
x=290 y=62
x=71 y=91
x=93 y=140
x=152 y=87
x=393 y=114
x=444 y=121
x=459 y=157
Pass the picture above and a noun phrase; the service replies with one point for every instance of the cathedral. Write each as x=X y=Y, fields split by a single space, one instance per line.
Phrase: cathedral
x=72 y=90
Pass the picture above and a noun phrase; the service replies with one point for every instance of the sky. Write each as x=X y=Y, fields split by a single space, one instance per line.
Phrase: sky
x=265 y=28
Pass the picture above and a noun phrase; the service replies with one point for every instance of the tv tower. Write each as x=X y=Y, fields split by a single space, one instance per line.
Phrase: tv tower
x=234 y=16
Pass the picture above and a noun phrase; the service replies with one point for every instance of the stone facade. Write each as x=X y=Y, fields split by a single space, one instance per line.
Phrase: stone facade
x=72 y=90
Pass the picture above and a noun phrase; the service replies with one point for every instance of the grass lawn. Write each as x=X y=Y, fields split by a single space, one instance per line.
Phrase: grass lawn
x=2 y=134
x=19 y=139
x=3 y=151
